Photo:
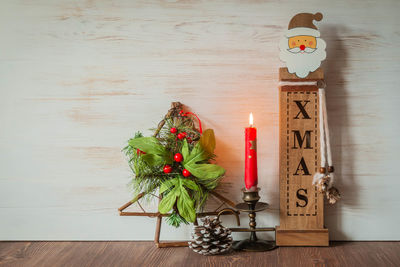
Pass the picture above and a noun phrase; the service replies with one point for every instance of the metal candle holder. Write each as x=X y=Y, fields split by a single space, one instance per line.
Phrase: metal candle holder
x=252 y=205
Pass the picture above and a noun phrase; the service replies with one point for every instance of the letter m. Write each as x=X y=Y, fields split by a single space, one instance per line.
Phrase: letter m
x=300 y=139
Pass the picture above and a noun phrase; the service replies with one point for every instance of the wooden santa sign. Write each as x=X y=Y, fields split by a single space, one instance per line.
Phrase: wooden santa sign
x=306 y=171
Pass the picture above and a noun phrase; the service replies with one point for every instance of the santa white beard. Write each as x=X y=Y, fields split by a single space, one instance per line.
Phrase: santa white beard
x=302 y=63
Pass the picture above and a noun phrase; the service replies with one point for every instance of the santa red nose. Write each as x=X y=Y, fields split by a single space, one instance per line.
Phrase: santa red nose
x=302 y=47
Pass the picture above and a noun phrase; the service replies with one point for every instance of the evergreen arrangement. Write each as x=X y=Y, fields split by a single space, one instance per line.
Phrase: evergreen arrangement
x=175 y=163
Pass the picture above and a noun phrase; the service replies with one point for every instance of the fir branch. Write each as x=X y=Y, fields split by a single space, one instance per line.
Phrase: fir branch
x=175 y=219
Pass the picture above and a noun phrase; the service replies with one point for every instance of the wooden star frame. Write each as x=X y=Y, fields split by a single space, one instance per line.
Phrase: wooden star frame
x=176 y=107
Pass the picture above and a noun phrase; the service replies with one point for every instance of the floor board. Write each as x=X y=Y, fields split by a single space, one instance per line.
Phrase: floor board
x=146 y=254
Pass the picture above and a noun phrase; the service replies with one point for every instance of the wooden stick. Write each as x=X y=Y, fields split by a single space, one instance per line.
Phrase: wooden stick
x=202 y=214
x=141 y=206
x=132 y=201
x=158 y=230
x=125 y=206
x=158 y=226
x=148 y=214
x=157 y=214
x=172 y=244
x=227 y=201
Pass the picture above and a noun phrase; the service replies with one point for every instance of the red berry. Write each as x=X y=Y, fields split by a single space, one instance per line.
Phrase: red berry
x=173 y=130
x=178 y=157
x=186 y=173
x=167 y=169
x=181 y=135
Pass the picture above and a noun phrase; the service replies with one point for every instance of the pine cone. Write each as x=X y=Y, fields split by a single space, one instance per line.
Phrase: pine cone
x=333 y=195
x=211 y=238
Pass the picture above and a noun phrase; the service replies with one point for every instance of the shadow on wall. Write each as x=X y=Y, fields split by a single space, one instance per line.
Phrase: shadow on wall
x=226 y=158
x=337 y=105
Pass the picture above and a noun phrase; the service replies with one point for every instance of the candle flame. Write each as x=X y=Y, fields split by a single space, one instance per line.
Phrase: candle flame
x=251 y=119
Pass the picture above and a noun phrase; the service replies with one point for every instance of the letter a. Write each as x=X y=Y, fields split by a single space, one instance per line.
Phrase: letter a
x=302 y=167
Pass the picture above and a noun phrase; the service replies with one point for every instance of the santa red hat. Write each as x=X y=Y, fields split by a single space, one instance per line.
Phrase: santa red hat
x=302 y=24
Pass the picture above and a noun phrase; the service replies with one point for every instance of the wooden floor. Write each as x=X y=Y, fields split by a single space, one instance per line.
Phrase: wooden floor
x=146 y=254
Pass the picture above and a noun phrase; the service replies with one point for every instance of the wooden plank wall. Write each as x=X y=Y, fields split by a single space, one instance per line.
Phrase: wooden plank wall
x=78 y=78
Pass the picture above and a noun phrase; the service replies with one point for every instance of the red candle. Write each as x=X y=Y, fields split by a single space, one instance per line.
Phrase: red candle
x=250 y=169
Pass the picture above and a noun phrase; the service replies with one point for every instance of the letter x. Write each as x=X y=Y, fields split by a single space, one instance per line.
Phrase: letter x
x=302 y=109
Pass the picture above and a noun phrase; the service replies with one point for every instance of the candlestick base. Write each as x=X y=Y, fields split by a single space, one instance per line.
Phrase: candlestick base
x=252 y=206
x=254 y=246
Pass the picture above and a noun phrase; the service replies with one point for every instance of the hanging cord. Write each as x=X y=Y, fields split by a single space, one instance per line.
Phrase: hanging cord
x=321 y=174
x=324 y=179
x=325 y=144
x=331 y=169
x=191 y=113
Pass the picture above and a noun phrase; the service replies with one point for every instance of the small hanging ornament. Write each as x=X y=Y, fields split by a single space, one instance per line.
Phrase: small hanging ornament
x=325 y=178
x=173 y=130
x=211 y=238
x=323 y=184
x=333 y=195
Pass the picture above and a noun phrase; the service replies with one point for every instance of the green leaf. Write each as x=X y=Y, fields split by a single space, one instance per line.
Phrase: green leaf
x=153 y=159
x=186 y=207
x=176 y=188
x=207 y=141
x=197 y=154
x=198 y=194
x=156 y=153
x=185 y=150
x=169 y=199
x=167 y=203
x=167 y=185
x=207 y=174
x=207 y=171
x=190 y=184
x=147 y=144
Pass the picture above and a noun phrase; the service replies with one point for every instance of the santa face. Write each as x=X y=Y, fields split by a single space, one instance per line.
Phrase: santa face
x=302 y=53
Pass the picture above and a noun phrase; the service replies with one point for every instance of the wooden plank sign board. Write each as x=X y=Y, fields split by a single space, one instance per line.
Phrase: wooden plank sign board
x=301 y=206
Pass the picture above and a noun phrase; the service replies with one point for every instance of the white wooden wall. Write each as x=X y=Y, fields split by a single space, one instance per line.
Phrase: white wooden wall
x=78 y=78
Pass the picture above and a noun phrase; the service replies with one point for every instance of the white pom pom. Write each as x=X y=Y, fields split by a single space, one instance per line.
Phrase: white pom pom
x=317 y=177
